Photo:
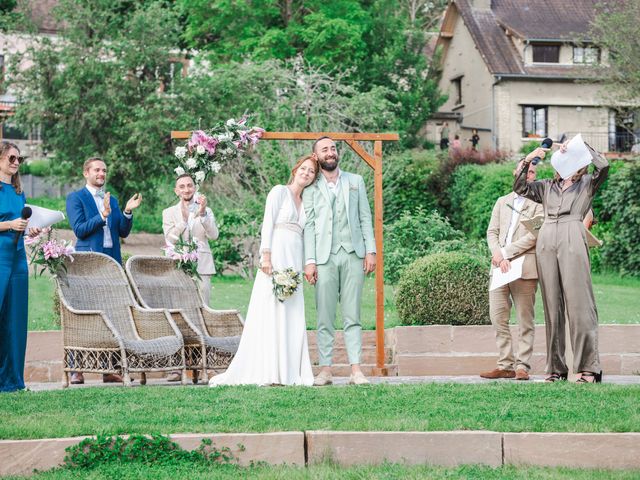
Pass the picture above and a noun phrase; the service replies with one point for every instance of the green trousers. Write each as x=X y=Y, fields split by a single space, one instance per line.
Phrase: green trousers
x=339 y=280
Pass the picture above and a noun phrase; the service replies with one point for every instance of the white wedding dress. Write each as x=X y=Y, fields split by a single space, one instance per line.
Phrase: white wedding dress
x=273 y=348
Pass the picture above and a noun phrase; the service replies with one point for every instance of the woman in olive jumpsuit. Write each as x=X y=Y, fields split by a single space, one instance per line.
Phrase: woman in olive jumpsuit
x=564 y=269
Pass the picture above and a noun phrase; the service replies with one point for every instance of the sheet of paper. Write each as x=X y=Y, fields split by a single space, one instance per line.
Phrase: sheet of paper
x=499 y=279
x=43 y=217
x=592 y=240
x=576 y=157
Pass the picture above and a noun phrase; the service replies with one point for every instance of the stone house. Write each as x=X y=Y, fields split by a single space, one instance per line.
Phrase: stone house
x=518 y=70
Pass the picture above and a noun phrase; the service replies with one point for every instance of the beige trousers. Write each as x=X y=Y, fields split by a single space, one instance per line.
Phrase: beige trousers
x=204 y=284
x=522 y=294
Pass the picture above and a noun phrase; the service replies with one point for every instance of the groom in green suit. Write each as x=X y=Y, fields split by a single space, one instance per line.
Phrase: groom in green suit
x=339 y=250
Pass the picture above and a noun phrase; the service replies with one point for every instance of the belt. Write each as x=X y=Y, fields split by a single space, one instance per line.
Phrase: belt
x=294 y=227
x=564 y=219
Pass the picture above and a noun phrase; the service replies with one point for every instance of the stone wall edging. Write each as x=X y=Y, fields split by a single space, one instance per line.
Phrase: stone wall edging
x=442 y=448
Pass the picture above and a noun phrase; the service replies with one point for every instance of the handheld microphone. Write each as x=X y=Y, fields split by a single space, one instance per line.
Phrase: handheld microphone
x=26 y=214
x=546 y=143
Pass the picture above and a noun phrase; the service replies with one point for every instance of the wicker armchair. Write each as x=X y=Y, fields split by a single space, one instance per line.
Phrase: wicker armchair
x=105 y=331
x=211 y=337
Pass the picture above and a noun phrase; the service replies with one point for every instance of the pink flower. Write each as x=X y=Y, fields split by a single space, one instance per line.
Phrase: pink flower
x=201 y=138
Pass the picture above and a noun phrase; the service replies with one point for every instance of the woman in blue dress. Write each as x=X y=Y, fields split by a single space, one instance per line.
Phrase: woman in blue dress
x=14 y=286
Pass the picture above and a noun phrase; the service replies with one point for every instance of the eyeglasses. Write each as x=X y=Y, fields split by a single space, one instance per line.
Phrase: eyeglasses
x=14 y=159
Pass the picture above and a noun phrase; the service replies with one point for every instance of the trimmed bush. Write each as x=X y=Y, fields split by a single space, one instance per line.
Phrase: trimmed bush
x=444 y=289
x=415 y=234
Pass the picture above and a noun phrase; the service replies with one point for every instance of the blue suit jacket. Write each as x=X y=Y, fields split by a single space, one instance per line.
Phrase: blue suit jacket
x=88 y=226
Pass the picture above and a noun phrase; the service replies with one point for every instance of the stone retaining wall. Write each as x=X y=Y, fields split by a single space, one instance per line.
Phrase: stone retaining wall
x=579 y=450
x=417 y=351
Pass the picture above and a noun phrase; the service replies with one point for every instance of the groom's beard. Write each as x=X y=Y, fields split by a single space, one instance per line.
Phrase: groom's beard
x=329 y=164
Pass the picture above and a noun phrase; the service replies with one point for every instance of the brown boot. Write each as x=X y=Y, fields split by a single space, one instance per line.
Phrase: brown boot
x=522 y=374
x=498 y=373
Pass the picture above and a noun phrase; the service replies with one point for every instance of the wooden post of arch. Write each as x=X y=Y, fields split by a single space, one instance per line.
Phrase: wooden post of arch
x=375 y=162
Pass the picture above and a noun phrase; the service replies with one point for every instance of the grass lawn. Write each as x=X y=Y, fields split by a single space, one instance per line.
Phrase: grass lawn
x=502 y=407
x=618 y=301
x=189 y=470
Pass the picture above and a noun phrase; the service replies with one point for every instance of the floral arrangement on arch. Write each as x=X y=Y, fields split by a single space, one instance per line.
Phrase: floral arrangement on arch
x=186 y=255
x=49 y=253
x=207 y=151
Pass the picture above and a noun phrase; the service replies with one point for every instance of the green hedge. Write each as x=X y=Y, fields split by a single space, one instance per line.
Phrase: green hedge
x=621 y=203
x=445 y=289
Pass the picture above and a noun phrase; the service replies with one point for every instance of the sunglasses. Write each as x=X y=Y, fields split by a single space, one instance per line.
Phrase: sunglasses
x=14 y=159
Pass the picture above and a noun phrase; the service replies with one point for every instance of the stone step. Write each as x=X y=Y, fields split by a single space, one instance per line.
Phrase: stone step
x=340 y=355
x=344 y=370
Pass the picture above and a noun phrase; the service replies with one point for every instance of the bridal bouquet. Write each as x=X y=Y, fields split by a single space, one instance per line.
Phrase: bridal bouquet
x=206 y=151
x=285 y=283
x=186 y=254
x=49 y=253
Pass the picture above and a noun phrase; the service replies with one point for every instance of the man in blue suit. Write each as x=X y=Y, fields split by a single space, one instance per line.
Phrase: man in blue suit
x=98 y=223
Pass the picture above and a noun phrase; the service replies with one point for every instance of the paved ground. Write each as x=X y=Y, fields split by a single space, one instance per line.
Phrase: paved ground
x=343 y=381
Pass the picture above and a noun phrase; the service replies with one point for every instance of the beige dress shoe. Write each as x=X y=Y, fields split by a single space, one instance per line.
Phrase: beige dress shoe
x=323 y=378
x=358 y=378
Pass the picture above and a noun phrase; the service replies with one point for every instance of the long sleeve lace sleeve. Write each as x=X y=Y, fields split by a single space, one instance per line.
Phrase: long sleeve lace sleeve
x=271 y=209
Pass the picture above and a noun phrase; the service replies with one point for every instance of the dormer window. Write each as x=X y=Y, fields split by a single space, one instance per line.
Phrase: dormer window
x=586 y=55
x=546 y=53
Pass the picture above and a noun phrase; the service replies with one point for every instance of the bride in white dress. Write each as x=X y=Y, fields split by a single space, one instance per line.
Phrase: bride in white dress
x=273 y=348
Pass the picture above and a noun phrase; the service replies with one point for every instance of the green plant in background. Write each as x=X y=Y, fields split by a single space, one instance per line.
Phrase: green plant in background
x=621 y=203
x=147 y=450
x=444 y=289
x=416 y=233
x=528 y=147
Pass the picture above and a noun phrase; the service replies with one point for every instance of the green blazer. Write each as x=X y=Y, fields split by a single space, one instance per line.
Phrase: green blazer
x=317 y=206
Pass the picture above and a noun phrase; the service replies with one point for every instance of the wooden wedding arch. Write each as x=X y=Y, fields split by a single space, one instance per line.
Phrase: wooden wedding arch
x=375 y=162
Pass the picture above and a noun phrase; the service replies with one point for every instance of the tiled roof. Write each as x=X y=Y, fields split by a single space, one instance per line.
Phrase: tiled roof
x=546 y=19
x=531 y=20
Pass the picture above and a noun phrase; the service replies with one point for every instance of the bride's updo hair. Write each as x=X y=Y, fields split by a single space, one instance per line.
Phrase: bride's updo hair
x=300 y=161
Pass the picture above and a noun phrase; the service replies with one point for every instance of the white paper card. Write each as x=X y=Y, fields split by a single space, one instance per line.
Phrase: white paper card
x=499 y=279
x=43 y=217
x=576 y=157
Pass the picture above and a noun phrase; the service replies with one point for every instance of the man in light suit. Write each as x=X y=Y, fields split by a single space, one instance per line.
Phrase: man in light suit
x=508 y=239
x=192 y=220
x=339 y=250
x=98 y=223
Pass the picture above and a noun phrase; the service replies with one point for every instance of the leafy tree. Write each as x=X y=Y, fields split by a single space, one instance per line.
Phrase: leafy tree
x=615 y=31
x=96 y=89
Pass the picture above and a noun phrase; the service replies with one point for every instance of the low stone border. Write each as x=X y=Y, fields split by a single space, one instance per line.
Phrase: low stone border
x=576 y=450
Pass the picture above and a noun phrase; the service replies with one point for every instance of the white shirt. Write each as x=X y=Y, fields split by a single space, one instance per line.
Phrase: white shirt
x=334 y=187
x=107 y=241
x=518 y=203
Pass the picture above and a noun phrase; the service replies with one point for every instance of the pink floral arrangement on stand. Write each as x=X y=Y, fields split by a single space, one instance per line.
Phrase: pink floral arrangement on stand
x=186 y=256
x=50 y=254
x=206 y=152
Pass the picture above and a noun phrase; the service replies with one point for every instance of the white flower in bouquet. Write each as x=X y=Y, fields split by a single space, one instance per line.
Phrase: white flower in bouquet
x=215 y=167
x=179 y=171
x=191 y=163
x=181 y=152
x=225 y=137
x=199 y=176
x=231 y=122
x=281 y=278
x=200 y=150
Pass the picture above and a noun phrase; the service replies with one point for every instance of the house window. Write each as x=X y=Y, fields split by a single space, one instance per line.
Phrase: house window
x=457 y=90
x=586 y=55
x=534 y=121
x=546 y=53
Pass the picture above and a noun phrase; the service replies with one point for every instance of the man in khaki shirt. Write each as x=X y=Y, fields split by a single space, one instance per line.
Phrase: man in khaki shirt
x=508 y=238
